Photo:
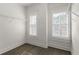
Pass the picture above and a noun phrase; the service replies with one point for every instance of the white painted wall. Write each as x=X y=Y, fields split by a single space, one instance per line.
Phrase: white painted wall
x=44 y=38
x=75 y=30
x=61 y=43
x=12 y=28
x=12 y=9
x=40 y=11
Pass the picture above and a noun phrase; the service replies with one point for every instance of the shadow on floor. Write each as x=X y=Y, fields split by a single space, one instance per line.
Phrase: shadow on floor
x=28 y=49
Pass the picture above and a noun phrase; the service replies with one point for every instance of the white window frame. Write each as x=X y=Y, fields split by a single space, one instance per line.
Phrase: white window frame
x=33 y=25
x=61 y=25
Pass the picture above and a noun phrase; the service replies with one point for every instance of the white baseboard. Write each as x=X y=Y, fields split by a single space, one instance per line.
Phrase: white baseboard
x=11 y=47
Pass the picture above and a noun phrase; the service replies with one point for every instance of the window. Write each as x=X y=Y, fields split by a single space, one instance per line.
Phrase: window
x=60 y=25
x=33 y=27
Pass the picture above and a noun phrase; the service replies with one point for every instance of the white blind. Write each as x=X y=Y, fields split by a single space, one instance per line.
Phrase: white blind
x=60 y=25
x=33 y=26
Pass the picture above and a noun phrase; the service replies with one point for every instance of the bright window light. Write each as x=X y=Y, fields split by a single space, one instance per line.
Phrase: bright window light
x=60 y=25
x=33 y=26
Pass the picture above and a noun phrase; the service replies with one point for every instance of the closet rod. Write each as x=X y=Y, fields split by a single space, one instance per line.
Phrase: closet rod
x=75 y=14
x=11 y=17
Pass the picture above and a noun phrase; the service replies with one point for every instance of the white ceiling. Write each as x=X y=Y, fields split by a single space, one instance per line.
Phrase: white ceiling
x=25 y=4
x=28 y=4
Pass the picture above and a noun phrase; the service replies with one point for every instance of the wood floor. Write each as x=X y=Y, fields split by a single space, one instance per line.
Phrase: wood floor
x=28 y=49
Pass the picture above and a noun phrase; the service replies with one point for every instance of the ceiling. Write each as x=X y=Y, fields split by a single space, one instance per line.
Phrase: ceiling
x=25 y=4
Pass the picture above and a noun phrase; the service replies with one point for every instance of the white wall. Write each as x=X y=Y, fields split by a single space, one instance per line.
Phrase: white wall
x=75 y=29
x=44 y=37
x=40 y=11
x=12 y=9
x=61 y=43
x=12 y=26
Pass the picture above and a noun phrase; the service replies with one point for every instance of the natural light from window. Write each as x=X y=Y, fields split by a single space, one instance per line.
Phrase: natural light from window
x=33 y=26
x=60 y=25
